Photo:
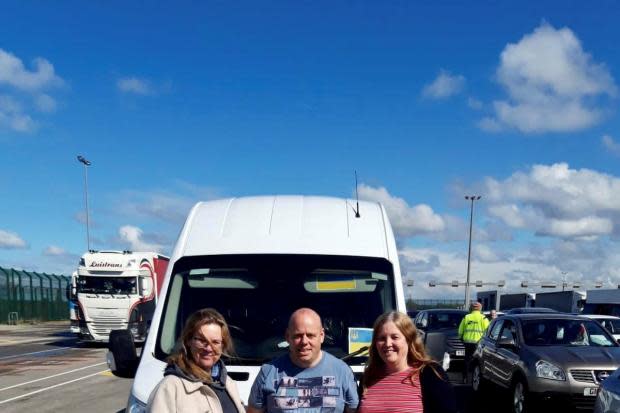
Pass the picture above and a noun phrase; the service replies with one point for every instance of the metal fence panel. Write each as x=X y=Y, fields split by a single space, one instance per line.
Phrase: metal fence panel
x=34 y=296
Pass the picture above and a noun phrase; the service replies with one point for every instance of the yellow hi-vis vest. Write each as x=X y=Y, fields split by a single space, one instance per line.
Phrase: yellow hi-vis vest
x=473 y=326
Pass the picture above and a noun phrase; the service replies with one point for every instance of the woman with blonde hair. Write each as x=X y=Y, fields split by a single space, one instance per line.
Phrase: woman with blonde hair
x=195 y=379
x=399 y=375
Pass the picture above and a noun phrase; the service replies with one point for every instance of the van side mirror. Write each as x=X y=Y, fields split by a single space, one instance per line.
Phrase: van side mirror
x=122 y=358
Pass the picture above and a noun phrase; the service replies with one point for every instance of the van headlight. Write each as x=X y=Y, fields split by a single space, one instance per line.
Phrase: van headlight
x=550 y=371
x=134 y=405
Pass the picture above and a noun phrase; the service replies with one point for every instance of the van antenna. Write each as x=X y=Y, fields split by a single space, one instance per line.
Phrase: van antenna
x=357 y=200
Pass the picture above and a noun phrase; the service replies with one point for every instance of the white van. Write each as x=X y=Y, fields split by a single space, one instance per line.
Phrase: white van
x=256 y=260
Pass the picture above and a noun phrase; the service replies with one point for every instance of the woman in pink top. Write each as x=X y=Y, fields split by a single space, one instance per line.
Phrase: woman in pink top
x=399 y=375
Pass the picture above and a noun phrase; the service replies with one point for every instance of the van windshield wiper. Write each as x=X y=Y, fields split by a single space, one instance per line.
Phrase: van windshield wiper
x=245 y=360
x=355 y=353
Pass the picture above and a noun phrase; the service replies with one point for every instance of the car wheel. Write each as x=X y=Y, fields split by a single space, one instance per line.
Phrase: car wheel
x=477 y=381
x=519 y=396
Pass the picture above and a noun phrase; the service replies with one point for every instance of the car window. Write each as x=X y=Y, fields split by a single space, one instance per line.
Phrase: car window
x=565 y=332
x=495 y=329
x=444 y=320
x=612 y=325
x=422 y=320
x=509 y=331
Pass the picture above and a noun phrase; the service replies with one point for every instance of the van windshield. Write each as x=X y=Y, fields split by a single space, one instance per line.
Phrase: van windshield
x=257 y=293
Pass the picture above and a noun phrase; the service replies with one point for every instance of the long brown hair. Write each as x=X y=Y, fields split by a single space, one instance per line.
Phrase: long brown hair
x=183 y=357
x=417 y=358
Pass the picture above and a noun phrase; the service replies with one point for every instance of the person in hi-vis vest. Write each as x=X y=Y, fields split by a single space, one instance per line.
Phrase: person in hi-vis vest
x=471 y=330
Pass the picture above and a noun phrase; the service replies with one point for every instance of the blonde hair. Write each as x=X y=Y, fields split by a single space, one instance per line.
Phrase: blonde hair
x=183 y=357
x=417 y=358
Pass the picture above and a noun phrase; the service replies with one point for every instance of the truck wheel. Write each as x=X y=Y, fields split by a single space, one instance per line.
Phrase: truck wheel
x=477 y=381
x=520 y=398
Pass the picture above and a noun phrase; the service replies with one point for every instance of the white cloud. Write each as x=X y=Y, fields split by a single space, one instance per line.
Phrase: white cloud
x=552 y=84
x=11 y=240
x=45 y=103
x=489 y=124
x=557 y=201
x=134 y=85
x=406 y=220
x=13 y=116
x=25 y=88
x=444 y=85
x=170 y=206
x=53 y=250
x=582 y=227
x=474 y=103
x=485 y=253
x=610 y=144
x=13 y=73
x=134 y=238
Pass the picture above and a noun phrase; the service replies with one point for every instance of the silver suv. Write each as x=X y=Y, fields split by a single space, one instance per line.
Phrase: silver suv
x=558 y=357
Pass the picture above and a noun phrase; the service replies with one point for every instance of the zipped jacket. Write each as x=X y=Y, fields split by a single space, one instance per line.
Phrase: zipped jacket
x=473 y=326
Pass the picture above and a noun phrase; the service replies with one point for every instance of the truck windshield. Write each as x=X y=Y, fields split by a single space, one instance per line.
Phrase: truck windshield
x=257 y=294
x=106 y=285
x=565 y=332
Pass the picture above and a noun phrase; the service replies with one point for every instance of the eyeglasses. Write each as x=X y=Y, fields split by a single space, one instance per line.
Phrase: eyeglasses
x=203 y=343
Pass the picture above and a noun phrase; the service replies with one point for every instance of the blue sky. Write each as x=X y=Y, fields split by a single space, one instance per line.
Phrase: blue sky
x=186 y=101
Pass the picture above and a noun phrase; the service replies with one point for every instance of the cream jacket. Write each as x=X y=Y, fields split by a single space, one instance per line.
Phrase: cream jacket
x=174 y=394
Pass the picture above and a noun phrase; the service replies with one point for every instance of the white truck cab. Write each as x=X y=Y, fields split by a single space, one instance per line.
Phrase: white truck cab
x=115 y=290
x=256 y=260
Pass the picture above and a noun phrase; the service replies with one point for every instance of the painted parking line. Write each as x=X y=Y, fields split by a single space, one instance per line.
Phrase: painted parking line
x=38 y=352
x=52 y=376
x=50 y=387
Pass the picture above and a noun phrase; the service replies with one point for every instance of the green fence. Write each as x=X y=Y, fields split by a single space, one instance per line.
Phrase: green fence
x=32 y=296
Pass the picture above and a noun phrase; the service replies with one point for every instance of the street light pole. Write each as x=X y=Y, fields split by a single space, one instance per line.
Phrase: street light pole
x=471 y=198
x=86 y=163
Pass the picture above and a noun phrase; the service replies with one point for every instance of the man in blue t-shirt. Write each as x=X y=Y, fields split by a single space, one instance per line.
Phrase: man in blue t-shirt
x=307 y=380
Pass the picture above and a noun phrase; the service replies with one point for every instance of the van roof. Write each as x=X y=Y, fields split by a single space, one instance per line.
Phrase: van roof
x=286 y=225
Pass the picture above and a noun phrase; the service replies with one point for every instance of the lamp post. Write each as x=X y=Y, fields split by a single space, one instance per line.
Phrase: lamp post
x=471 y=198
x=86 y=163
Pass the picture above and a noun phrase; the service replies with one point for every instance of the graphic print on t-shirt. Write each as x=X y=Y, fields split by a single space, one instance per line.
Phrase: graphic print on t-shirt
x=306 y=395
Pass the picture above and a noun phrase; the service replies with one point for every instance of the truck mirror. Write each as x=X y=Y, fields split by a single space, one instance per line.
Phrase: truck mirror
x=146 y=286
x=122 y=358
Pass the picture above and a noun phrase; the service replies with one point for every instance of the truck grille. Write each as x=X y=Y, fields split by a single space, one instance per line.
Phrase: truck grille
x=102 y=326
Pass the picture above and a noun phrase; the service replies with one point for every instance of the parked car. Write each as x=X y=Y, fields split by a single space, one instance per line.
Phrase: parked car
x=439 y=331
x=608 y=398
x=412 y=313
x=610 y=322
x=530 y=310
x=487 y=314
x=540 y=357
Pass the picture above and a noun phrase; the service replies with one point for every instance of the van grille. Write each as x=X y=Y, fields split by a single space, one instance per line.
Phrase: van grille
x=102 y=326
